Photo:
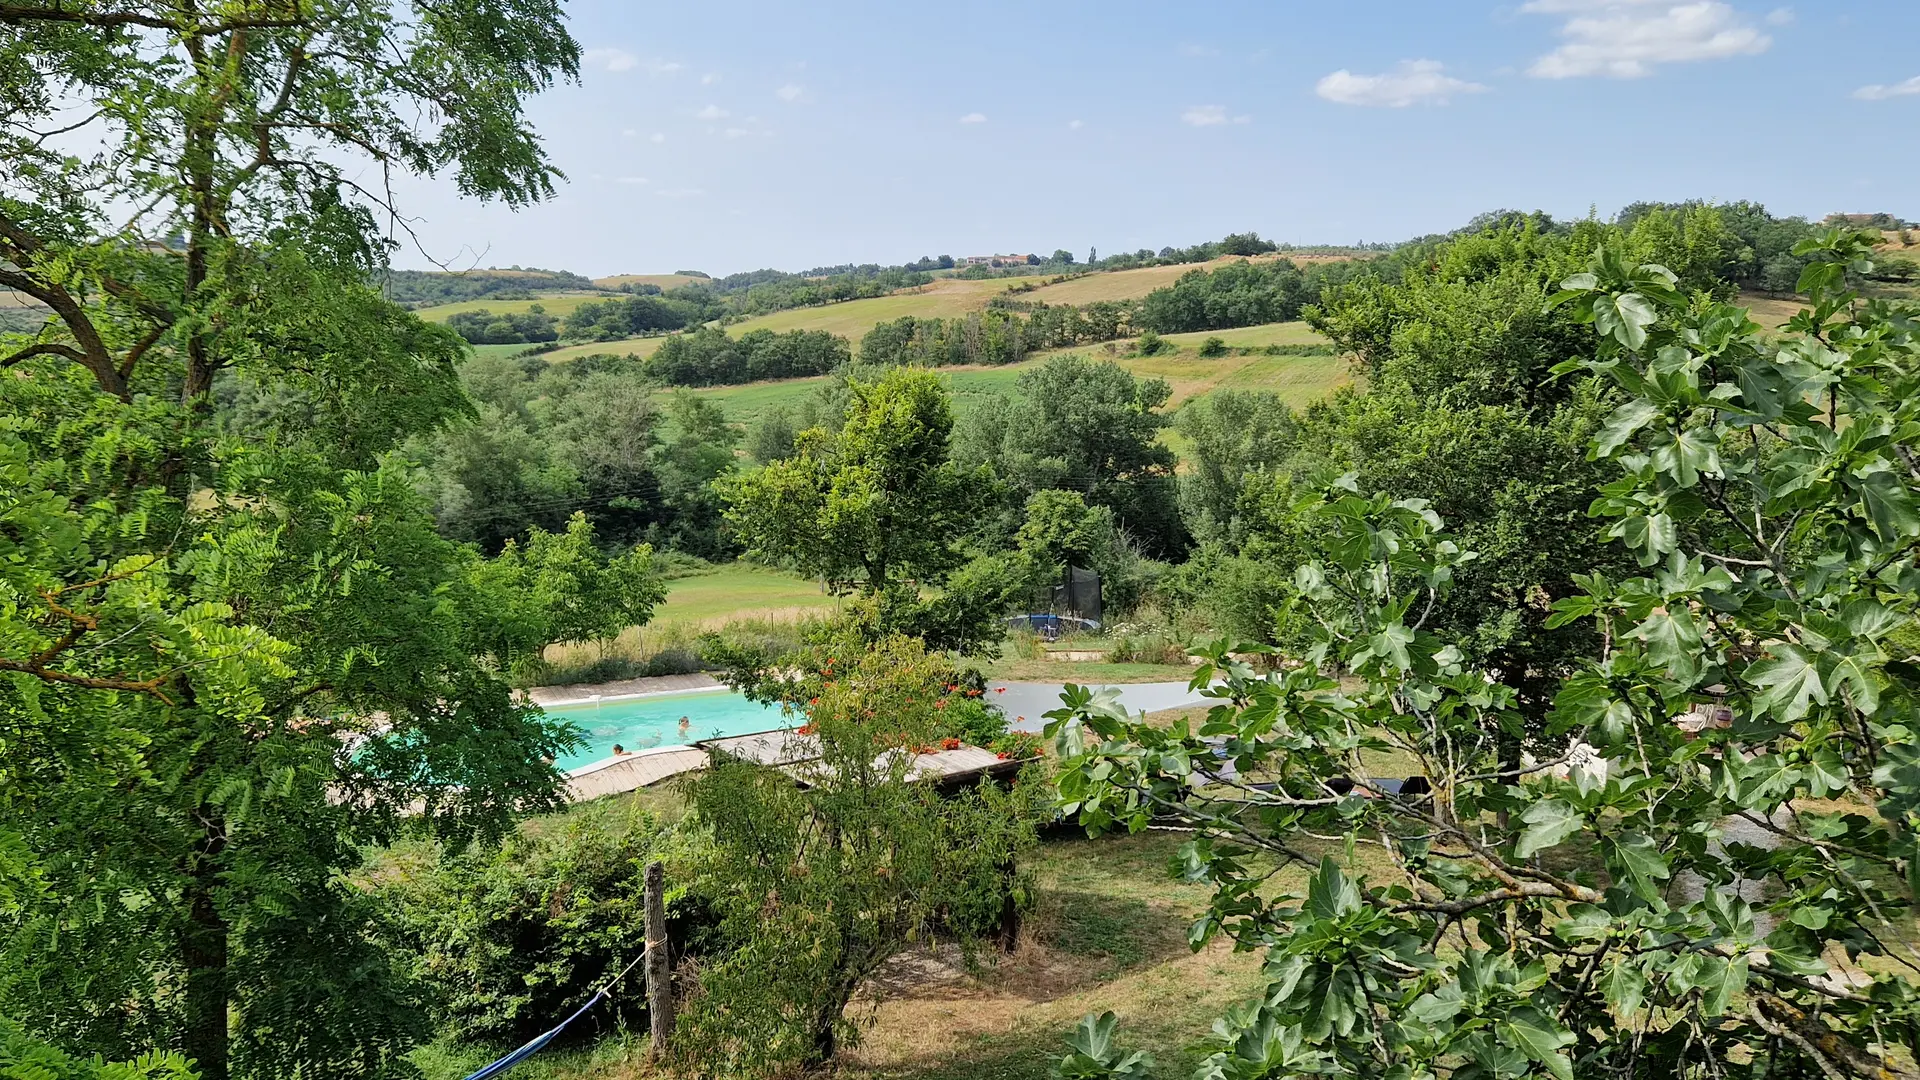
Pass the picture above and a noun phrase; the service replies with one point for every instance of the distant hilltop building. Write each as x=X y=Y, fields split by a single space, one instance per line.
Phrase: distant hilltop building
x=1001 y=260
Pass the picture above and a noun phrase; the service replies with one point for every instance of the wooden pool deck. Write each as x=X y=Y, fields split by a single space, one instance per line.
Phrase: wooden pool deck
x=781 y=748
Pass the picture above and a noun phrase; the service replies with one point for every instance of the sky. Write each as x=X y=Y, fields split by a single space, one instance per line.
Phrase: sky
x=749 y=134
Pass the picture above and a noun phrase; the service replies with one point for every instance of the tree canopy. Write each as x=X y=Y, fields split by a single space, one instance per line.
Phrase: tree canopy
x=234 y=649
x=1659 y=896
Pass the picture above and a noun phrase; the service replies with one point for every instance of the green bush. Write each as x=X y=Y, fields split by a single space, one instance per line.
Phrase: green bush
x=1150 y=344
x=1212 y=347
x=23 y=1057
x=509 y=941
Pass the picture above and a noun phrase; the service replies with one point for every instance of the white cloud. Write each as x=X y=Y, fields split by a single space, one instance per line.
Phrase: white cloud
x=628 y=133
x=1627 y=39
x=609 y=59
x=632 y=180
x=1780 y=17
x=974 y=118
x=1878 y=92
x=658 y=137
x=1414 y=82
x=790 y=92
x=1211 y=115
x=1075 y=125
x=709 y=78
x=735 y=133
x=713 y=112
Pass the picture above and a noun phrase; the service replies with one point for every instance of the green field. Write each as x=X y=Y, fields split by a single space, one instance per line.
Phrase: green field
x=555 y=303
x=852 y=319
x=730 y=593
x=641 y=347
x=1297 y=379
x=739 y=590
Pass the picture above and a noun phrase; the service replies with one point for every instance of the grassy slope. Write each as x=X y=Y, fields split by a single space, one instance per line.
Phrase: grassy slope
x=946 y=297
x=664 y=281
x=1297 y=379
x=625 y=347
x=555 y=303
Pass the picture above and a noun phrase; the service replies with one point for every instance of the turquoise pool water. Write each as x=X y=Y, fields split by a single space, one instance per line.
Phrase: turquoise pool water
x=639 y=723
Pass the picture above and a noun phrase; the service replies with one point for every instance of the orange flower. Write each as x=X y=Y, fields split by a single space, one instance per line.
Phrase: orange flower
x=813 y=701
x=940 y=704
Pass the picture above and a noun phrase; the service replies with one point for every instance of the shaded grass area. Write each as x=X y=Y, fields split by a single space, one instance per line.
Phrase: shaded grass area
x=1108 y=931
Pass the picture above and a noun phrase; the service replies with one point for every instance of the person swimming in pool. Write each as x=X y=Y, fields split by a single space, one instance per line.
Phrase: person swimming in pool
x=686 y=725
x=619 y=751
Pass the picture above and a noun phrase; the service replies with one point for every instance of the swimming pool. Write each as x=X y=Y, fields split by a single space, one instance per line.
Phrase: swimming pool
x=639 y=723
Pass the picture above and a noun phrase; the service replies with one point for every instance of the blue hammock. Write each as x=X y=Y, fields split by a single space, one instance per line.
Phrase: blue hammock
x=539 y=1042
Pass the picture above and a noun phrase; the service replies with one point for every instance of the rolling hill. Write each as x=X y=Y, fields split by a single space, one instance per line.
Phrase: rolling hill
x=1298 y=380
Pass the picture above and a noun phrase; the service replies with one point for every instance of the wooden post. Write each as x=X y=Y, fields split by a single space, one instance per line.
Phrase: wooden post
x=659 y=962
x=1009 y=907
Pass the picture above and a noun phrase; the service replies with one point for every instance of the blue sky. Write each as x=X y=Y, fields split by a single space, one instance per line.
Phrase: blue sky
x=726 y=137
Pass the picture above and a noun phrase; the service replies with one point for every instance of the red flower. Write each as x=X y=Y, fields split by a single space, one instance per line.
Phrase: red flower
x=949 y=744
x=813 y=701
x=940 y=704
x=999 y=689
x=1003 y=755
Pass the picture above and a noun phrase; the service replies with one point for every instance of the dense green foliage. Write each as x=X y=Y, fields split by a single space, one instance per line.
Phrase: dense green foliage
x=425 y=288
x=30 y=1059
x=631 y=316
x=1089 y=426
x=504 y=940
x=1242 y=294
x=233 y=650
x=552 y=588
x=874 y=503
x=1003 y=334
x=589 y=436
x=708 y=357
x=818 y=884
x=1591 y=919
x=483 y=327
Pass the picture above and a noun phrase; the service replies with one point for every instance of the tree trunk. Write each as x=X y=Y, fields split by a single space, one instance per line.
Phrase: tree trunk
x=203 y=953
x=1009 y=908
x=826 y=1037
x=659 y=962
